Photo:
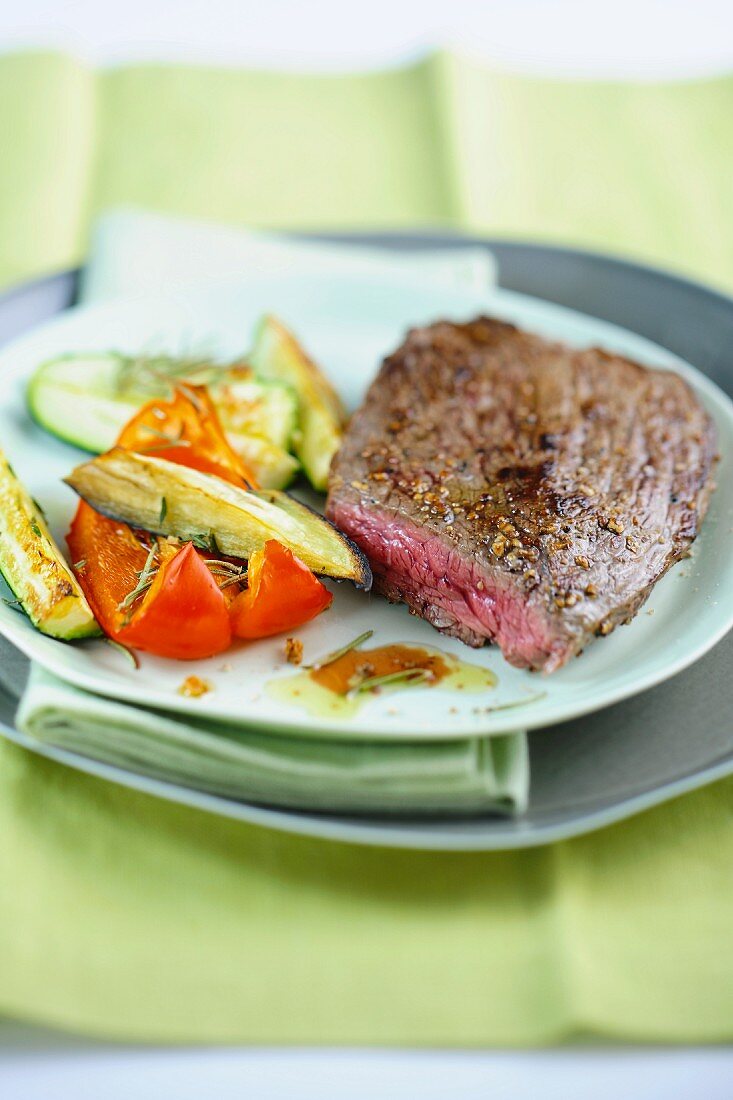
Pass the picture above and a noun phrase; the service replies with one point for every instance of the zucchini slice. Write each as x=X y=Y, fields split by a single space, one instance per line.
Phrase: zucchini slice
x=86 y=400
x=77 y=398
x=167 y=499
x=34 y=568
x=263 y=409
x=278 y=357
x=273 y=467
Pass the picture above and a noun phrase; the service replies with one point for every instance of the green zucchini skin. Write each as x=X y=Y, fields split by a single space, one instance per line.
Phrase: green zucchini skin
x=34 y=568
x=75 y=398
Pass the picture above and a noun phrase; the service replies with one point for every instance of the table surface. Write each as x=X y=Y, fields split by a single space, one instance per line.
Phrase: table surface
x=560 y=38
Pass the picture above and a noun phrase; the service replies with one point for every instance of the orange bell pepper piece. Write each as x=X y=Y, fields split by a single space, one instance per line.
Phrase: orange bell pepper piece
x=186 y=430
x=182 y=615
x=282 y=594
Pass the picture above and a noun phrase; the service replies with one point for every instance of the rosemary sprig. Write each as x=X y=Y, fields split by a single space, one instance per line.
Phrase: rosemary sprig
x=157 y=373
x=139 y=590
x=331 y=657
x=233 y=580
x=228 y=571
x=163 y=510
x=129 y=653
x=516 y=703
x=145 y=580
x=406 y=676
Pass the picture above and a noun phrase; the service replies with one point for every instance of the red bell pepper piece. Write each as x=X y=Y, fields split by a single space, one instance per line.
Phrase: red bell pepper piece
x=282 y=594
x=183 y=614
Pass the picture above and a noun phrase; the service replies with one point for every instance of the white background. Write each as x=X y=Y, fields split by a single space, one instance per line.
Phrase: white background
x=642 y=39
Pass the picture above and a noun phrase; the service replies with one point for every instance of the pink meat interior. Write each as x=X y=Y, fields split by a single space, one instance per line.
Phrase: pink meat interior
x=455 y=593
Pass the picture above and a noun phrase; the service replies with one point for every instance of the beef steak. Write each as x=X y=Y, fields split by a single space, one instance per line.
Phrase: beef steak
x=519 y=491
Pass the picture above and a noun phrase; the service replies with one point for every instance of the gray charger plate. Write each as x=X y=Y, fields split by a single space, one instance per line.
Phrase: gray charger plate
x=586 y=773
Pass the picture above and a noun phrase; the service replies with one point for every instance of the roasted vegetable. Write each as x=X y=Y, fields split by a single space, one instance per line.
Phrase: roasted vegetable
x=273 y=468
x=278 y=356
x=161 y=598
x=247 y=407
x=282 y=594
x=167 y=499
x=186 y=430
x=34 y=568
x=184 y=614
x=87 y=400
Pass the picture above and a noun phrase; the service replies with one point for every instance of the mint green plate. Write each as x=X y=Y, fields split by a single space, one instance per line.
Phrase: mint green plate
x=349 y=324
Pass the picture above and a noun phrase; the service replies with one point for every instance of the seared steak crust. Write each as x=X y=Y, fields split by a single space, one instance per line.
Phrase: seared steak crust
x=514 y=490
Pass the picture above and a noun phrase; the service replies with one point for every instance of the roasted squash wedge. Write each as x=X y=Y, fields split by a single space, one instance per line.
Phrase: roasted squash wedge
x=167 y=499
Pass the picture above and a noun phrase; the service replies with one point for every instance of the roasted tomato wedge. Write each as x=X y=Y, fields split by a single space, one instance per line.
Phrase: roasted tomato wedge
x=186 y=430
x=282 y=594
x=182 y=614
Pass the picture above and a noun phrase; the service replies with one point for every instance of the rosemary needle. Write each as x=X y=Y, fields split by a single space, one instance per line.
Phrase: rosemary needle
x=233 y=580
x=405 y=676
x=354 y=644
x=517 y=703
x=144 y=582
x=14 y=605
x=129 y=653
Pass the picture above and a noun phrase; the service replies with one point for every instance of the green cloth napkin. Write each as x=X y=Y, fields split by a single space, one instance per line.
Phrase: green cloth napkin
x=477 y=775
x=123 y=915
x=641 y=167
